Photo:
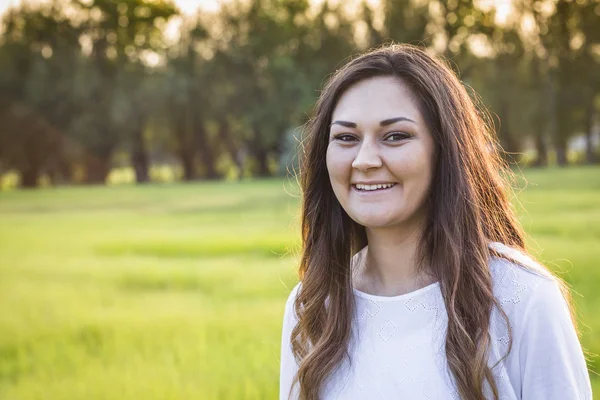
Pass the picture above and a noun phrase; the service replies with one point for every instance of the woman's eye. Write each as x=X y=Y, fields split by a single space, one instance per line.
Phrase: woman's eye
x=397 y=136
x=344 y=137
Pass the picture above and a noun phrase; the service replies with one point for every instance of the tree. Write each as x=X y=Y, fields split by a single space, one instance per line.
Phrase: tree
x=120 y=34
x=260 y=53
x=587 y=66
x=190 y=98
x=39 y=55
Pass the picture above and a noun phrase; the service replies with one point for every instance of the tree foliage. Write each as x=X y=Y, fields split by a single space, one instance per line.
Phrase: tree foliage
x=89 y=84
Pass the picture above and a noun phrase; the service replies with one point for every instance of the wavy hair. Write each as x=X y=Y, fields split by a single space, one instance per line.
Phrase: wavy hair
x=468 y=207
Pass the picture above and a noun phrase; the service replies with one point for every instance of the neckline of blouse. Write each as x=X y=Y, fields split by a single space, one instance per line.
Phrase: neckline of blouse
x=404 y=296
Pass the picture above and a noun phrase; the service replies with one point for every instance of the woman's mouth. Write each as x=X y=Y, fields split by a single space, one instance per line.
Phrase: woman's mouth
x=378 y=187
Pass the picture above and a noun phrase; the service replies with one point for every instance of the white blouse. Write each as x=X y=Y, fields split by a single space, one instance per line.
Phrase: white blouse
x=397 y=343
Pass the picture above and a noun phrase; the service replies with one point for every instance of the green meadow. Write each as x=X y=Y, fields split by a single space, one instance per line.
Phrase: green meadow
x=177 y=291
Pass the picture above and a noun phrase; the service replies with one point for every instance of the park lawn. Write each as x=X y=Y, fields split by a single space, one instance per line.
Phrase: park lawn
x=177 y=291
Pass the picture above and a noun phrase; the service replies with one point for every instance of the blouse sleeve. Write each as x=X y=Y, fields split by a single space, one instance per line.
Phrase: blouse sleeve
x=550 y=356
x=288 y=365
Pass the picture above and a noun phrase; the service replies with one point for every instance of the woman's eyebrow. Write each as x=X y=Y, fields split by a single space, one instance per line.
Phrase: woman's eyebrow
x=344 y=123
x=385 y=122
x=391 y=121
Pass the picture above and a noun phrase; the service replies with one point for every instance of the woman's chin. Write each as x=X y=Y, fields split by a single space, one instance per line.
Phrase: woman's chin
x=374 y=222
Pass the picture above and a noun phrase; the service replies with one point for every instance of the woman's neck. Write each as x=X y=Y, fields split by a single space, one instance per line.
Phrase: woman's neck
x=390 y=263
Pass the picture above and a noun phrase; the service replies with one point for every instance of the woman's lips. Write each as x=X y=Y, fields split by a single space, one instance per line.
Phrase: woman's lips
x=372 y=189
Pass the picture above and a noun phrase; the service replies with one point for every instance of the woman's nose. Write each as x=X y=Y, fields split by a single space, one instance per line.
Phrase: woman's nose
x=367 y=157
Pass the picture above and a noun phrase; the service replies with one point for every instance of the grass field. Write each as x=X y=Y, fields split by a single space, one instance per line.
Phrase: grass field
x=177 y=291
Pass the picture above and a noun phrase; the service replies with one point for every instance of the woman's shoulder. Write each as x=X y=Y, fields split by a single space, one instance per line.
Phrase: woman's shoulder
x=521 y=284
x=546 y=360
x=290 y=312
x=293 y=293
x=515 y=274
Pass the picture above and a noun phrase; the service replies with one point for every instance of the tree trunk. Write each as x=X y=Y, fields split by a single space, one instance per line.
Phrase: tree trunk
x=96 y=168
x=561 y=153
x=590 y=157
x=540 y=125
x=57 y=174
x=139 y=157
x=508 y=142
x=60 y=170
x=232 y=148
x=203 y=145
x=29 y=176
x=35 y=157
x=563 y=102
x=261 y=157
x=560 y=138
x=185 y=150
x=206 y=154
x=541 y=159
x=187 y=163
x=260 y=153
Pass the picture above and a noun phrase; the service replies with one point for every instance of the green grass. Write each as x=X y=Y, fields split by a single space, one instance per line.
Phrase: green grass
x=177 y=291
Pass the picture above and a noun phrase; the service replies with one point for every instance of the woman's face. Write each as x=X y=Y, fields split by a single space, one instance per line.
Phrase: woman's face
x=380 y=154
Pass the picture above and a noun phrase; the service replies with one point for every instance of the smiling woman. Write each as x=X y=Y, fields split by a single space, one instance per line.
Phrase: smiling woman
x=375 y=150
x=414 y=279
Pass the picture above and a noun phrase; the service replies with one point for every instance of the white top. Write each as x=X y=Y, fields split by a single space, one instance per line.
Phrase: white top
x=397 y=343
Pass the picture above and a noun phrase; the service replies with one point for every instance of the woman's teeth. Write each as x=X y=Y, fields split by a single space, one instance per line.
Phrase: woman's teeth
x=374 y=187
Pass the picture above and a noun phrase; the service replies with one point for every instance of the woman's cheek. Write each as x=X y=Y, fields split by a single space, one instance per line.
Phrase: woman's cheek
x=333 y=166
x=339 y=162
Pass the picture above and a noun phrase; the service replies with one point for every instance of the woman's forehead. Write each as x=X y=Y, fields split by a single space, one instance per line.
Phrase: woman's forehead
x=376 y=99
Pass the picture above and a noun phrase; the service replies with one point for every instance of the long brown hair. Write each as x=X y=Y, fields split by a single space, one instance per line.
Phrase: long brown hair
x=468 y=207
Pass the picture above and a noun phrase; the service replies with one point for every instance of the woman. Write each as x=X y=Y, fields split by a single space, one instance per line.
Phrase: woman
x=414 y=279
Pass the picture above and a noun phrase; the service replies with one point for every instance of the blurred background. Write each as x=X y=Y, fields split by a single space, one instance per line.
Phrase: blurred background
x=148 y=209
